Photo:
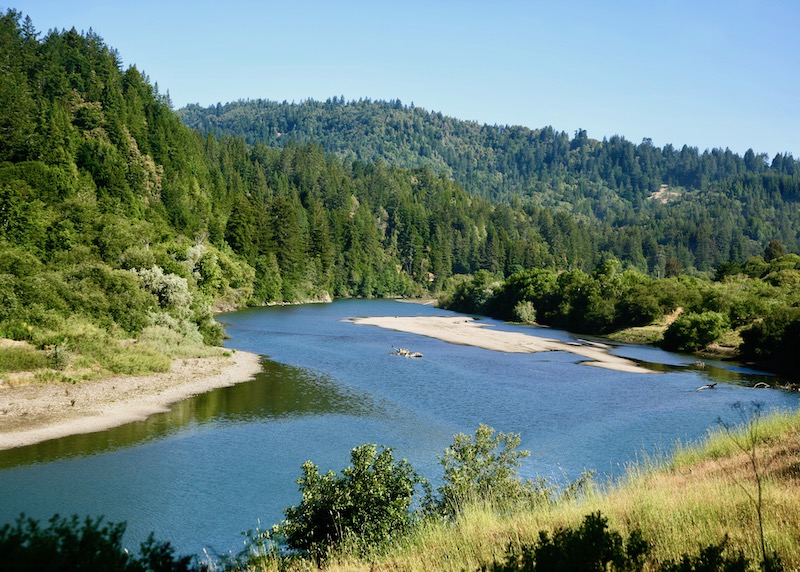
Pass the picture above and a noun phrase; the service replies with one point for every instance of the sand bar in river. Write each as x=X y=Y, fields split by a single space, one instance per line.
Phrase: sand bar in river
x=466 y=331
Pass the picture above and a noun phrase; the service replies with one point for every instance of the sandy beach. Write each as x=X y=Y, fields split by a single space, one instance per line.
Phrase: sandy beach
x=466 y=331
x=42 y=411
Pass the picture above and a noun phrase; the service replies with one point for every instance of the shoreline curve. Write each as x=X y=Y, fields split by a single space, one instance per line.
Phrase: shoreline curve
x=32 y=414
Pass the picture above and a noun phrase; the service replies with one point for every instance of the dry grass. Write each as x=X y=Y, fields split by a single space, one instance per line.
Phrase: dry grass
x=704 y=493
x=646 y=335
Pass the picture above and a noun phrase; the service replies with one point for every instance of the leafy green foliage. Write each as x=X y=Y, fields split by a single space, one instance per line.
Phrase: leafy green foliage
x=590 y=547
x=659 y=209
x=594 y=547
x=775 y=337
x=748 y=298
x=473 y=296
x=88 y=545
x=368 y=504
x=692 y=331
x=710 y=559
x=484 y=469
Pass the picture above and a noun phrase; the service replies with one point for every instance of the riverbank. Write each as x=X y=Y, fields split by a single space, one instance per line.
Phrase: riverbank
x=39 y=412
x=704 y=496
x=467 y=331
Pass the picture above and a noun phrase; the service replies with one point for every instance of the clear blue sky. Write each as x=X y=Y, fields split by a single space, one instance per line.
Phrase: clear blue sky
x=707 y=73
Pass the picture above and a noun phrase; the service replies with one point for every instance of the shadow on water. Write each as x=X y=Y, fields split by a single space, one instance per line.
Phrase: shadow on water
x=278 y=391
x=714 y=373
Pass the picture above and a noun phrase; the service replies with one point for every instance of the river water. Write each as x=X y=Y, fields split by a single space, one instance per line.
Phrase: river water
x=226 y=461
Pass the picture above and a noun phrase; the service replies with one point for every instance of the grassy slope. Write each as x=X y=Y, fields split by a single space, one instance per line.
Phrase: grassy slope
x=703 y=493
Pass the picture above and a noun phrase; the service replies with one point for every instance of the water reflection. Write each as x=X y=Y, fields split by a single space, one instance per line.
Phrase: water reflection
x=225 y=460
x=279 y=391
x=715 y=373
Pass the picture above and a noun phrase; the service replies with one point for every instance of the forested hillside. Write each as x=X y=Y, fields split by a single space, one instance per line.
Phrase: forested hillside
x=117 y=220
x=694 y=209
x=119 y=223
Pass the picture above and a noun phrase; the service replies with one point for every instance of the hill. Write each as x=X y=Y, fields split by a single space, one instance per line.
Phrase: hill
x=698 y=209
x=119 y=223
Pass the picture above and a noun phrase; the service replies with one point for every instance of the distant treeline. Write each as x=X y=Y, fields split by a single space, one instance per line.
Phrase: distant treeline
x=754 y=307
x=649 y=205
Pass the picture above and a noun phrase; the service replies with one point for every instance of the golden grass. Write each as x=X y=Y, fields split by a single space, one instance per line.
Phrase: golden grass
x=705 y=492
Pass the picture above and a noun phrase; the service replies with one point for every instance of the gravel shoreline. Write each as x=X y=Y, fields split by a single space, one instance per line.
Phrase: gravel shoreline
x=39 y=412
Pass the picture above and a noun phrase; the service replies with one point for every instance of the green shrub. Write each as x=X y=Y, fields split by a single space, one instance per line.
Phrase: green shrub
x=637 y=307
x=712 y=559
x=171 y=290
x=590 y=547
x=483 y=469
x=9 y=302
x=21 y=359
x=109 y=296
x=593 y=547
x=692 y=331
x=88 y=545
x=474 y=296
x=525 y=312
x=368 y=504
x=775 y=337
x=58 y=356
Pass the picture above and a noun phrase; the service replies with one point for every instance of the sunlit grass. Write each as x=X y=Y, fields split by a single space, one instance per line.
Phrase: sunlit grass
x=681 y=503
x=76 y=350
x=21 y=358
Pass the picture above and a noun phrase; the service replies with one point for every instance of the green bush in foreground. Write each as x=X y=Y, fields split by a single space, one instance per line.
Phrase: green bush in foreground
x=87 y=545
x=592 y=546
x=483 y=468
x=368 y=504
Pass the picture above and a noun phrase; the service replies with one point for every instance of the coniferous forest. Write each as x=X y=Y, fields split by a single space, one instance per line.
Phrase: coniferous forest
x=126 y=224
x=116 y=215
x=644 y=204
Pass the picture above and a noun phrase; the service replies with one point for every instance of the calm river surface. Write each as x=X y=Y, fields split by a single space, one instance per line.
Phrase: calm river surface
x=226 y=461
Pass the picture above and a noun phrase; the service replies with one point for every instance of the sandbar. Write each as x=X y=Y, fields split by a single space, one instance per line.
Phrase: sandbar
x=464 y=330
x=39 y=412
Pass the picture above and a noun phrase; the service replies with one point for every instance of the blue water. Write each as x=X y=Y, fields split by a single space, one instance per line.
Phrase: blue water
x=226 y=461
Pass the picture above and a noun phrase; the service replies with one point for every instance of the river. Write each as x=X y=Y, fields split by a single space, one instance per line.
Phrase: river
x=226 y=461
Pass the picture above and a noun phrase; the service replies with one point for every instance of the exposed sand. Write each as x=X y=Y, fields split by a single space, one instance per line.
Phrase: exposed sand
x=42 y=411
x=466 y=331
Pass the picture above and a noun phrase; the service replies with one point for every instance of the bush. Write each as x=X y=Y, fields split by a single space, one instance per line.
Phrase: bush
x=171 y=290
x=590 y=547
x=525 y=312
x=710 y=559
x=369 y=504
x=483 y=469
x=593 y=547
x=475 y=295
x=21 y=358
x=87 y=545
x=692 y=331
x=775 y=337
x=637 y=307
